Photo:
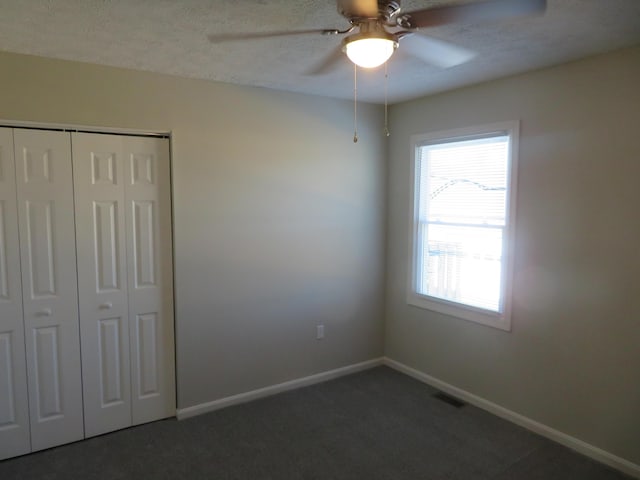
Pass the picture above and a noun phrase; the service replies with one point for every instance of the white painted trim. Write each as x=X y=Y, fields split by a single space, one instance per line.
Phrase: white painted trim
x=82 y=128
x=502 y=319
x=187 y=412
x=573 y=443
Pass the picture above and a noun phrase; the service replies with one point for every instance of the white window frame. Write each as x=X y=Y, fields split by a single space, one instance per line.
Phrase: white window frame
x=501 y=319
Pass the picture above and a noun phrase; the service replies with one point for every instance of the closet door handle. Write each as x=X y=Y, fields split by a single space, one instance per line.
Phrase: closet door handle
x=45 y=312
x=106 y=306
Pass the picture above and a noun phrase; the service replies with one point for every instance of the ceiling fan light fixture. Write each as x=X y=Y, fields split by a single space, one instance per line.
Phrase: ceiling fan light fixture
x=369 y=50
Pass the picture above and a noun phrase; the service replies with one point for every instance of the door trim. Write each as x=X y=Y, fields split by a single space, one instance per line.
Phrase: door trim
x=67 y=127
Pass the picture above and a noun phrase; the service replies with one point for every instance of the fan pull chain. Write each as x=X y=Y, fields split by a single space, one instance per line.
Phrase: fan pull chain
x=386 y=83
x=355 y=103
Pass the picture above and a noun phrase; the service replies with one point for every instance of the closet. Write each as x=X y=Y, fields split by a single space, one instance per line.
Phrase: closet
x=86 y=294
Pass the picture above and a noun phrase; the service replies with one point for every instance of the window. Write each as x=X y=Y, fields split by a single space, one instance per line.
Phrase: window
x=463 y=202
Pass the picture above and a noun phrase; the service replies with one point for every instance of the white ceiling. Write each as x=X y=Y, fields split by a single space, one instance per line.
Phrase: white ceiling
x=170 y=36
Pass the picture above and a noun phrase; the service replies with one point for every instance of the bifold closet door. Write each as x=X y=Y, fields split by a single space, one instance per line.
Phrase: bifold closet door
x=102 y=282
x=44 y=184
x=123 y=215
x=150 y=277
x=14 y=403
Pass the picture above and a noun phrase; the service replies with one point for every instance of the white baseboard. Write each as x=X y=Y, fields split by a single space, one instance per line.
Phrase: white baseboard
x=187 y=412
x=575 y=444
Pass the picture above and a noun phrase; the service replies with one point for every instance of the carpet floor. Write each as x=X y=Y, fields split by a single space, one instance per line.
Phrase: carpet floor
x=374 y=425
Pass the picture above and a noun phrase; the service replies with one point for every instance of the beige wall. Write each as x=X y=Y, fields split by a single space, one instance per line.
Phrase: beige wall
x=279 y=217
x=572 y=360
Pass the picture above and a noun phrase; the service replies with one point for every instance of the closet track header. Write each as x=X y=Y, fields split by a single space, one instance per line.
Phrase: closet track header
x=57 y=127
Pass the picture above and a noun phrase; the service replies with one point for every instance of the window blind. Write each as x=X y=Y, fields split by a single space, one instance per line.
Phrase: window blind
x=462 y=218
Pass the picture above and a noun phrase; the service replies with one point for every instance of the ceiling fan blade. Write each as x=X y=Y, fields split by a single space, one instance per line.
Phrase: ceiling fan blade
x=434 y=51
x=470 y=12
x=358 y=8
x=330 y=63
x=232 y=37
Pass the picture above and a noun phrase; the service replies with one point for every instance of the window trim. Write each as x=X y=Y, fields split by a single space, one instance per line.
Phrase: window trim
x=500 y=320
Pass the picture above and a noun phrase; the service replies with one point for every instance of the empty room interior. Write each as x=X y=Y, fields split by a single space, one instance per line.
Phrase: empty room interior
x=229 y=250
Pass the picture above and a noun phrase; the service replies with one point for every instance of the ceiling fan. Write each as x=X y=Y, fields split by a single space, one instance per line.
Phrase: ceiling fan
x=376 y=28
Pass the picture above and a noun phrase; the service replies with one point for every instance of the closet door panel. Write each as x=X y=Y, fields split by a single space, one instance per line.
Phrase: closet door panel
x=104 y=317
x=14 y=406
x=149 y=268
x=46 y=225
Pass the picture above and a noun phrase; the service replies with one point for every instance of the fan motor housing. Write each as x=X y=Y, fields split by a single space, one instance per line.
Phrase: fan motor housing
x=388 y=8
x=352 y=9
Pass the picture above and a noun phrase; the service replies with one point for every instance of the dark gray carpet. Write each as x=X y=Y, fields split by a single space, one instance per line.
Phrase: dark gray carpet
x=377 y=424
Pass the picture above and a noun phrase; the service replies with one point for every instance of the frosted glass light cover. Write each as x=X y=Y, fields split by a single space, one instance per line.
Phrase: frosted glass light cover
x=370 y=52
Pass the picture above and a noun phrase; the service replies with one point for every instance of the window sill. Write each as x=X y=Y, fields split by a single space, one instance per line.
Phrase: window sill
x=500 y=321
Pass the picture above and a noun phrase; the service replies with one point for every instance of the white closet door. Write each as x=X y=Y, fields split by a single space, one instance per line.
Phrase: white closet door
x=149 y=266
x=123 y=216
x=49 y=281
x=14 y=404
x=98 y=169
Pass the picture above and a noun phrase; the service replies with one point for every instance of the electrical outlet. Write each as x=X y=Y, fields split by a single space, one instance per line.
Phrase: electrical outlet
x=319 y=332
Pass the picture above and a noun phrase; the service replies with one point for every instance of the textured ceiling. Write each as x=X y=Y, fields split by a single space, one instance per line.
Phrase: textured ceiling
x=170 y=36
